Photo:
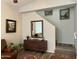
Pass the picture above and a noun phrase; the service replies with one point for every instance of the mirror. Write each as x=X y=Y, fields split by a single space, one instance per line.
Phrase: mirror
x=37 y=29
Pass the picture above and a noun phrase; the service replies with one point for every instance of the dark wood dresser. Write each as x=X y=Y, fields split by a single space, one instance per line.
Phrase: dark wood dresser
x=35 y=45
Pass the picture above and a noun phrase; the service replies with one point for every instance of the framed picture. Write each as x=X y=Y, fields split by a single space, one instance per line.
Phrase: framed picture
x=48 y=12
x=64 y=14
x=10 y=26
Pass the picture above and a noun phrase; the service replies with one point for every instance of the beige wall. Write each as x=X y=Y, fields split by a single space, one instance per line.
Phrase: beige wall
x=64 y=28
x=49 y=29
x=8 y=12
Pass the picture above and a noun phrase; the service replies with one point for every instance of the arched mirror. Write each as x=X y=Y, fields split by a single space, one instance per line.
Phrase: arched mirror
x=37 y=29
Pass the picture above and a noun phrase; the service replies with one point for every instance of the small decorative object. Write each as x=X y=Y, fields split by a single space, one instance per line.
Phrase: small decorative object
x=10 y=26
x=28 y=37
x=36 y=35
x=15 y=1
x=64 y=14
x=48 y=12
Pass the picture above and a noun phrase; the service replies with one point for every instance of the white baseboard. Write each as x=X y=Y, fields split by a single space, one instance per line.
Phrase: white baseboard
x=53 y=51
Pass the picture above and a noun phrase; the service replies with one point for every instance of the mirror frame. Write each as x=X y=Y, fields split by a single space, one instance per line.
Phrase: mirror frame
x=32 y=28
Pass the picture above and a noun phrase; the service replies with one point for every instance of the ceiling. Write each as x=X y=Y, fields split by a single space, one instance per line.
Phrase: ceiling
x=20 y=2
x=21 y=5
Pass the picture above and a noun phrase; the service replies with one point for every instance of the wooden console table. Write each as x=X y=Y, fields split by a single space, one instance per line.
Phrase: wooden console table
x=36 y=45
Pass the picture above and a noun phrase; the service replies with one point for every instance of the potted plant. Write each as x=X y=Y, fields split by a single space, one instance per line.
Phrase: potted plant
x=16 y=47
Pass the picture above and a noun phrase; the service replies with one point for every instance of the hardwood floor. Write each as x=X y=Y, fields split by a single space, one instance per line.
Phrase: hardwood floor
x=66 y=51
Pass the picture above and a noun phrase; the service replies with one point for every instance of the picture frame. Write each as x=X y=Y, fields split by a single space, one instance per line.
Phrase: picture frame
x=10 y=26
x=64 y=14
x=48 y=12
